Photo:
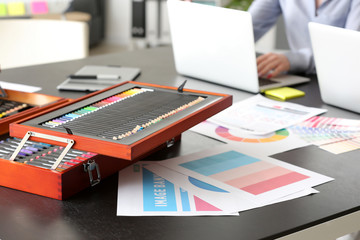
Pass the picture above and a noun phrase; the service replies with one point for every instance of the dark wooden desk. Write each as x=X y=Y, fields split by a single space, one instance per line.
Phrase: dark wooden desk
x=91 y=214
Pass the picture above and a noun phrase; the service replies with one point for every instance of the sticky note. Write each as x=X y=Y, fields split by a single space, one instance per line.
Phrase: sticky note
x=39 y=7
x=16 y=8
x=284 y=93
x=3 y=10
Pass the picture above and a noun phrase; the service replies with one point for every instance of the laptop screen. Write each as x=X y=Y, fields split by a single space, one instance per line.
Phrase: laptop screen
x=214 y=44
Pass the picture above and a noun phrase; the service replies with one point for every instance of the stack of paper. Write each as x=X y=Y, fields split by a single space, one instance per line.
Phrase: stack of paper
x=259 y=124
x=260 y=116
x=222 y=181
x=229 y=179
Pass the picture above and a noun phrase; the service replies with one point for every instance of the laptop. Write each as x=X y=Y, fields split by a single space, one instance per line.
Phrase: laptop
x=217 y=45
x=95 y=77
x=337 y=55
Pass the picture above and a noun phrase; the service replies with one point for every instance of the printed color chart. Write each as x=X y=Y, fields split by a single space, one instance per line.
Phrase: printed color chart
x=159 y=195
x=225 y=133
x=154 y=195
x=234 y=180
x=269 y=144
x=244 y=172
x=335 y=135
x=260 y=116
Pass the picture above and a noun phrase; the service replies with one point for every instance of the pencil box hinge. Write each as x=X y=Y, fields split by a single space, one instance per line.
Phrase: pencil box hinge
x=89 y=167
x=170 y=143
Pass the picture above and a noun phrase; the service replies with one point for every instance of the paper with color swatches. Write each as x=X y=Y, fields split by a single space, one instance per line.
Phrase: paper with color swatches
x=153 y=195
x=335 y=135
x=234 y=180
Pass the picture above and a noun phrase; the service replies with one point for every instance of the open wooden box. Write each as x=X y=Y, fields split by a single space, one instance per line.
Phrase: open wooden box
x=152 y=116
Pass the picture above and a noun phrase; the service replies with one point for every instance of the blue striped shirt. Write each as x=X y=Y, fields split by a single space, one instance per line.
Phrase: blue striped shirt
x=297 y=14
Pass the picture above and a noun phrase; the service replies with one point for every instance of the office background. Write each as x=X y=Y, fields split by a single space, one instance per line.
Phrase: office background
x=110 y=23
x=118 y=27
x=117 y=30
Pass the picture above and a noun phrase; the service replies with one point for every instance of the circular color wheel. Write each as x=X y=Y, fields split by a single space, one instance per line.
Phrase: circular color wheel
x=279 y=135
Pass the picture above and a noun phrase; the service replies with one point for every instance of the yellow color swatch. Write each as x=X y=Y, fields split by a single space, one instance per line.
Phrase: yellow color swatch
x=16 y=8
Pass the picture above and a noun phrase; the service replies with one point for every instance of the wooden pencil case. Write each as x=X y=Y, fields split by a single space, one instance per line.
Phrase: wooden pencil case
x=29 y=104
x=114 y=154
x=57 y=184
x=125 y=121
x=62 y=184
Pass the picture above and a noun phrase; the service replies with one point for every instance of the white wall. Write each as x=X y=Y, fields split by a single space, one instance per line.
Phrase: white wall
x=118 y=21
x=267 y=42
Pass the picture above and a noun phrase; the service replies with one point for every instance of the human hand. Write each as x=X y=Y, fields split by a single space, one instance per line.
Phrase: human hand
x=272 y=64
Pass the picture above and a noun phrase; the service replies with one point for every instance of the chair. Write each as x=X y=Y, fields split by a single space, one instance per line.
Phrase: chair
x=25 y=42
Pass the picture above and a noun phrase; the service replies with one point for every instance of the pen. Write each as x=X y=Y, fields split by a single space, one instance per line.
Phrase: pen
x=99 y=76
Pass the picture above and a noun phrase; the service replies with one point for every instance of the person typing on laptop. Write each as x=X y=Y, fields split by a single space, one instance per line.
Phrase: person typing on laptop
x=297 y=14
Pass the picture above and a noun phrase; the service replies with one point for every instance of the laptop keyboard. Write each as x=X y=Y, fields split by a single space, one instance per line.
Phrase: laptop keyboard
x=265 y=81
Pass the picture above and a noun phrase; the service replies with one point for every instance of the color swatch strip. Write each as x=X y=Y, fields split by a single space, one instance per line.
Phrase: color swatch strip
x=335 y=135
x=244 y=172
x=219 y=163
x=342 y=147
x=274 y=183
